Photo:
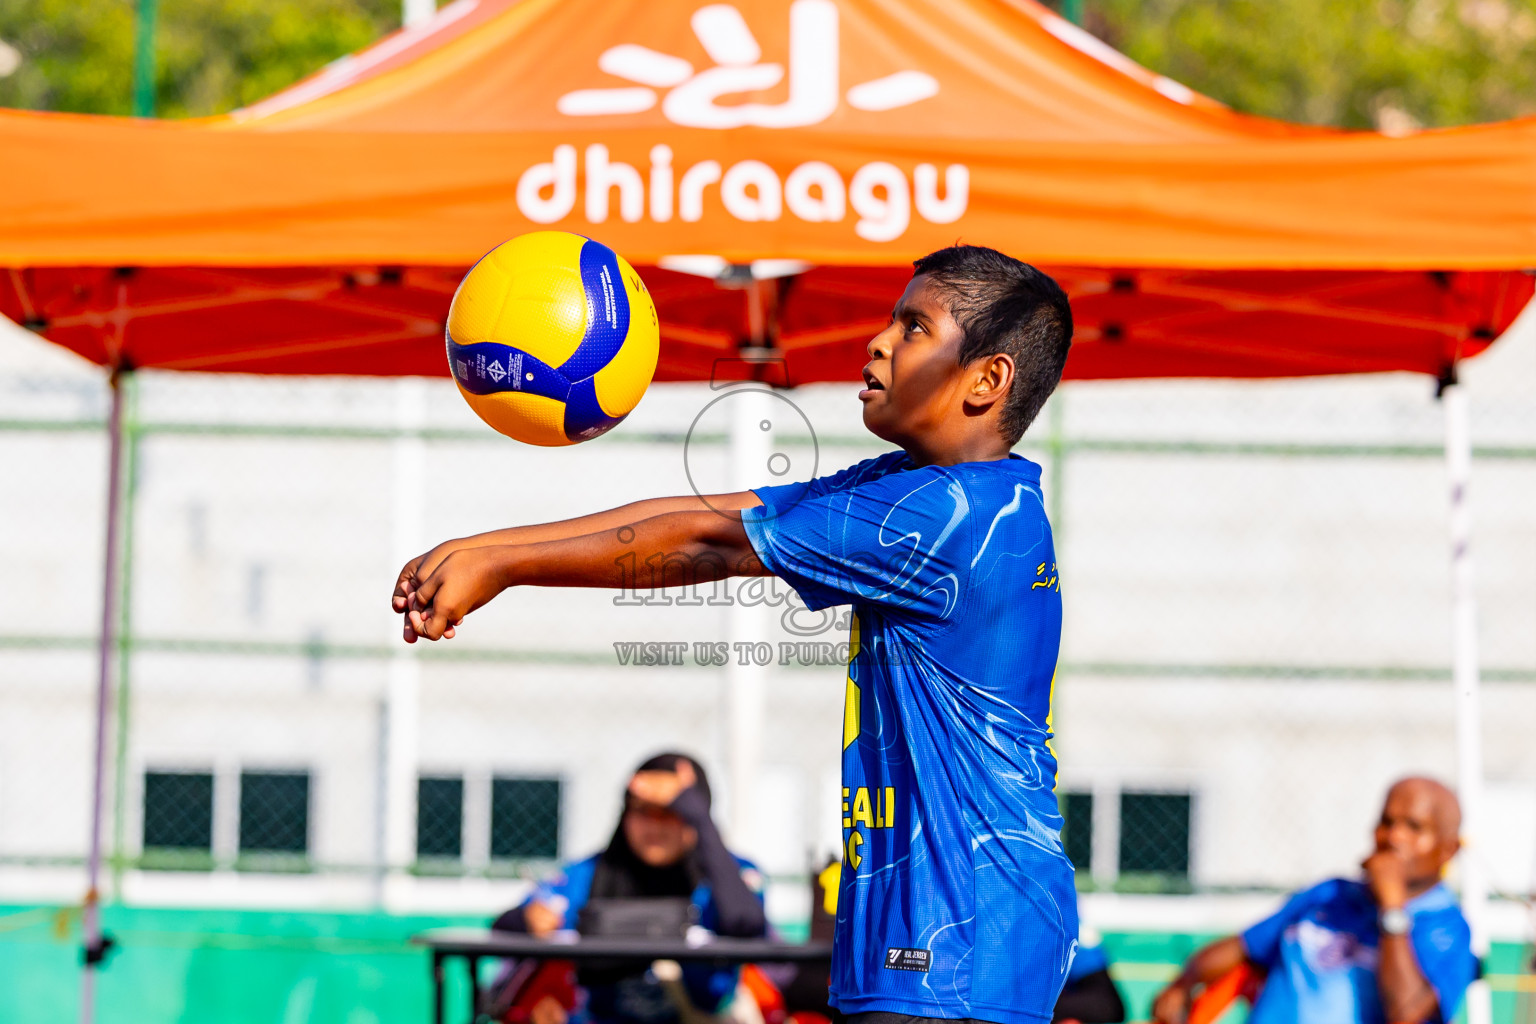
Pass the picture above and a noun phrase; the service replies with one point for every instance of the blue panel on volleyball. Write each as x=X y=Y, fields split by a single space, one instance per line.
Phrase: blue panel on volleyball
x=607 y=313
x=489 y=368
x=584 y=417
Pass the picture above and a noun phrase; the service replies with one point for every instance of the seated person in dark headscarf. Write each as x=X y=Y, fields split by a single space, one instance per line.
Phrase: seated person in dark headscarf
x=665 y=846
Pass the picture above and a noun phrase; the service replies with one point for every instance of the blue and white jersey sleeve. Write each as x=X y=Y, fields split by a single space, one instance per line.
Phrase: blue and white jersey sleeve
x=898 y=540
x=785 y=495
x=1443 y=946
x=1262 y=941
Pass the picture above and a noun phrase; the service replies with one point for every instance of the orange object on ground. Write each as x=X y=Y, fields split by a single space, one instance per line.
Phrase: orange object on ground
x=323 y=230
x=769 y=1000
x=1241 y=982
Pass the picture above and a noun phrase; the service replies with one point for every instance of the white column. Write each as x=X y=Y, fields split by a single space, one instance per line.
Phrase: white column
x=226 y=810
x=403 y=689
x=747 y=685
x=477 y=817
x=1469 y=740
x=1104 y=851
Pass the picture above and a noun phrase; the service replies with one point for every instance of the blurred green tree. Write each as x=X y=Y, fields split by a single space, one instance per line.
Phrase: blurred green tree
x=1392 y=64
x=1388 y=64
x=211 y=56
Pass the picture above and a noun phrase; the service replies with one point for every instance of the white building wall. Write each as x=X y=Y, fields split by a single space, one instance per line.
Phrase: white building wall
x=1225 y=613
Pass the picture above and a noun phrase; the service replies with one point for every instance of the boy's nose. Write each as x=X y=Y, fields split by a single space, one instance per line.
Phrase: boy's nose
x=879 y=346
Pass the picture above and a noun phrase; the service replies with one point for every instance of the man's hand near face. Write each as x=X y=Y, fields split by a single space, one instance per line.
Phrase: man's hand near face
x=1386 y=872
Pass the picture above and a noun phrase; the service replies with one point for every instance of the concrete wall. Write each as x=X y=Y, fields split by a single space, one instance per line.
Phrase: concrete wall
x=1266 y=632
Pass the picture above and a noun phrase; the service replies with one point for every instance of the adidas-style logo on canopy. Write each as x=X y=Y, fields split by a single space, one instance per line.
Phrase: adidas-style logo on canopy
x=691 y=99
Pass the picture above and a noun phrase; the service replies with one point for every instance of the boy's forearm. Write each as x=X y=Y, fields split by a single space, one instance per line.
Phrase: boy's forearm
x=596 y=522
x=676 y=548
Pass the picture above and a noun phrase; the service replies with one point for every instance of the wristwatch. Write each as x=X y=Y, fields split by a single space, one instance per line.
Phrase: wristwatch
x=1394 y=921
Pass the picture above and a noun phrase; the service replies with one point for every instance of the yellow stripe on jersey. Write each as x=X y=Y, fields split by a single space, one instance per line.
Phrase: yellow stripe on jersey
x=1050 y=713
x=851 y=694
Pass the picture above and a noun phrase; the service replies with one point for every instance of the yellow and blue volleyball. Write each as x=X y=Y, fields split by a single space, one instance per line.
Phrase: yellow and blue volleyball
x=552 y=338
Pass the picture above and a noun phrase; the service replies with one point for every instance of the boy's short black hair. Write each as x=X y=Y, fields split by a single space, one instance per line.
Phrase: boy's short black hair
x=1006 y=305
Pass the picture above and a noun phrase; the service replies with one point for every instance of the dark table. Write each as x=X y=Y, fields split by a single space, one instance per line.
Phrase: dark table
x=476 y=944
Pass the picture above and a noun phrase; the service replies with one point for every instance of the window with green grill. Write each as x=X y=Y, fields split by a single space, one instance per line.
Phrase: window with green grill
x=178 y=811
x=1155 y=834
x=525 y=818
x=1077 y=835
x=274 y=812
x=440 y=818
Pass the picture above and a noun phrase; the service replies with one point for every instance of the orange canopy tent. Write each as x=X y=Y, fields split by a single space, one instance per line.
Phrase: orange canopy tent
x=323 y=230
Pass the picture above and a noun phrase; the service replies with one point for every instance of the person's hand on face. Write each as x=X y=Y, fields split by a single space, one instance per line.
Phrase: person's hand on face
x=1415 y=838
x=661 y=787
x=1386 y=872
x=657 y=835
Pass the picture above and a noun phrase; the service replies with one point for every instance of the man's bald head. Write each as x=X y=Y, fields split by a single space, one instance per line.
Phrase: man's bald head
x=1445 y=809
x=1421 y=823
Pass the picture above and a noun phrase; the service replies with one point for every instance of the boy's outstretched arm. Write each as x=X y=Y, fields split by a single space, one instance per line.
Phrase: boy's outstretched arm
x=422 y=566
x=675 y=548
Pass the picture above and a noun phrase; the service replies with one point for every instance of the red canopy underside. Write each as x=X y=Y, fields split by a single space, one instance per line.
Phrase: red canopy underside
x=1133 y=323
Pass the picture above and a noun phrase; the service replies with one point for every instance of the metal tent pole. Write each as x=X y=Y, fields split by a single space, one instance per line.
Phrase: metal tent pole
x=92 y=943
x=123 y=691
x=1469 y=739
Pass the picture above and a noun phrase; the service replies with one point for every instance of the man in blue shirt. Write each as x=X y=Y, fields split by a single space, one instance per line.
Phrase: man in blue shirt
x=956 y=899
x=1392 y=949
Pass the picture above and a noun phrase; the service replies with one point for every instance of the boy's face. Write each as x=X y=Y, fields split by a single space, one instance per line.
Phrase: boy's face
x=914 y=383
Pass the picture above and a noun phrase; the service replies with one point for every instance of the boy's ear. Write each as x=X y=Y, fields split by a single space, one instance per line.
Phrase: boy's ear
x=990 y=377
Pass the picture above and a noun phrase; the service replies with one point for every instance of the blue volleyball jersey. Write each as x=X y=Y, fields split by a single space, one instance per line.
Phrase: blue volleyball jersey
x=956 y=897
x=1322 y=948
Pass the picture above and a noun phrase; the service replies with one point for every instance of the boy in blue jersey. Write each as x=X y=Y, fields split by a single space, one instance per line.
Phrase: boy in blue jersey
x=956 y=898
x=1391 y=949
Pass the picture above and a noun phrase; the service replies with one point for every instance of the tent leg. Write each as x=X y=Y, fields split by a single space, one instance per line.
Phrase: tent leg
x=90 y=924
x=746 y=680
x=1469 y=740
x=123 y=695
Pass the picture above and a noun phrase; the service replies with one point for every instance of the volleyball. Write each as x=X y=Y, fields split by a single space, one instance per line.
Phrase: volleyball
x=552 y=338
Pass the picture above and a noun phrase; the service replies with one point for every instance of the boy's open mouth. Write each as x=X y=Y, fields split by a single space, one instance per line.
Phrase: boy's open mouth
x=871 y=382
